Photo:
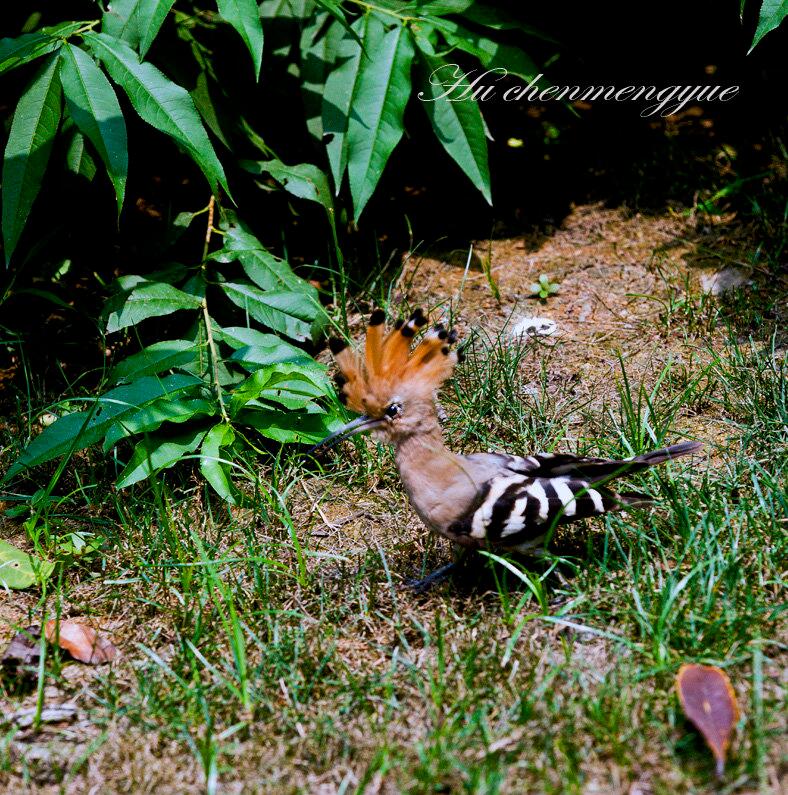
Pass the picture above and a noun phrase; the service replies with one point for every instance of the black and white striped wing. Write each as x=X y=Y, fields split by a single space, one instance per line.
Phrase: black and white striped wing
x=549 y=465
x=593 y=470
x=516 y=511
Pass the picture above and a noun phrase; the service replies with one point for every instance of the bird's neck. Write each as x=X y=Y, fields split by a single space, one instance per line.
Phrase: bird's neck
x=420 y=451
x=430 y=473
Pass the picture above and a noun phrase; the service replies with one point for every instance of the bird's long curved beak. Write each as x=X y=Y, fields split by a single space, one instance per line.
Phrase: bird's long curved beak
x=359 y=425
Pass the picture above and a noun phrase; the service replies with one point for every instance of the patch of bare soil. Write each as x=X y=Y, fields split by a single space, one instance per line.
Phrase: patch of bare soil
x=635 y=292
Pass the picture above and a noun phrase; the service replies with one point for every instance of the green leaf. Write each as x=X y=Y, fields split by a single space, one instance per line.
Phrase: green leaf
x=33 y=131
x=154 y=415
x=254 y=349
x=203 y=101
x=154 y=359
x=376 y=122
x=338 y=13
x=458 y=125
x=286 y=9
x=93 y=106
x=47 y=295
x=215 y=467
x=79 y=430
x=25 y=48
x=303 y=180
x=498 y=19
x=491 y=54
x=255 y=357
x=150 y=299
x=288 y=426
x=244 y=16
x=78 y=160
x=20 y=570
x=154 y=454
x=29 y=46
x=290 y=313
x=440 y=7
x=137 y=22
x=160 y=102
x=286 y=384
x=339 y=98
x=261 y=266
x=67 y=433
x=773 y=12
x=318 y=48
x=241 y=337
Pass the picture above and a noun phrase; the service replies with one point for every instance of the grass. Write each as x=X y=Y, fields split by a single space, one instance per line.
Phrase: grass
x=275 y=649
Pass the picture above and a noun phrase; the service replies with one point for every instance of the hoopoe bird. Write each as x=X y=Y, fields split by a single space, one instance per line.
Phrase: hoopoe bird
x=482 y=500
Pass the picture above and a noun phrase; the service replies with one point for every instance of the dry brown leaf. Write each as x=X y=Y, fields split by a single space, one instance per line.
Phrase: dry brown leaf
x=83 y=643
x=23 y=648
x=708 y=700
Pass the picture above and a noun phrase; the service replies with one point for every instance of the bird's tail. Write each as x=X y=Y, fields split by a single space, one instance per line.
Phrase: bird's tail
x=667 y=453
x=599 y=470
x=633 y=499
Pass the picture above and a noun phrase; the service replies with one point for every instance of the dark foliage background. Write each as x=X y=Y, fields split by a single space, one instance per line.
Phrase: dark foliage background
x=600 y=151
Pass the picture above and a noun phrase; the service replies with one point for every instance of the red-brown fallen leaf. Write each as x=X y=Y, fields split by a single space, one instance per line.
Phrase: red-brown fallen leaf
x=708 y=700
x=83 y=643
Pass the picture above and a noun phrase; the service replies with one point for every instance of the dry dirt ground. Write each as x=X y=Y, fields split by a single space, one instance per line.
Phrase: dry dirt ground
x=628 y=284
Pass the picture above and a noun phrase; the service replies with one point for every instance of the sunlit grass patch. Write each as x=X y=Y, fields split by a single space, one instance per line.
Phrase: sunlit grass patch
x=274 y=648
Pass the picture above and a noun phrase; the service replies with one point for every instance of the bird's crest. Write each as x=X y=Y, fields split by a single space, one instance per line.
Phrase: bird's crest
x=388 y=367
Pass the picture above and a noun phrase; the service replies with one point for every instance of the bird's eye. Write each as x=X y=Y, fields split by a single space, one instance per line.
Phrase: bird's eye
x=393 y=410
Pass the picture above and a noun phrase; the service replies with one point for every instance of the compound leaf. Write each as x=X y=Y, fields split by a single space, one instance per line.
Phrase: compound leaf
x=161 y=103
x=80 y=429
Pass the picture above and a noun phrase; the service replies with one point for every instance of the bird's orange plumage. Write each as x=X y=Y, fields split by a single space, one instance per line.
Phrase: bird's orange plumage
x=388 y=366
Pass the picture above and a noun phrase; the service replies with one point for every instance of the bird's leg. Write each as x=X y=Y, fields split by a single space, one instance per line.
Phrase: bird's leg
x=437 y=576
x=433 y=578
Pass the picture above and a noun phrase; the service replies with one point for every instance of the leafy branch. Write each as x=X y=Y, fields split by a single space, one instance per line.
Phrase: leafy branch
x=360 y=64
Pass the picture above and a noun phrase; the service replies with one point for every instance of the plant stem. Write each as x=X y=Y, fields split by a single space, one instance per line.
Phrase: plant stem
x=214 y=361
x=209 y=229
x=207 y=318
x=88 y=26
x=388 y=11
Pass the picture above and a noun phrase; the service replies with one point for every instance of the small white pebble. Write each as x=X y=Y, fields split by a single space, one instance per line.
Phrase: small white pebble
x=534 y=327
x=728 y=278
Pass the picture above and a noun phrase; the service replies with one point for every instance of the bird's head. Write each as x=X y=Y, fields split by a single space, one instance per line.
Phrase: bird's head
x=391 y=386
